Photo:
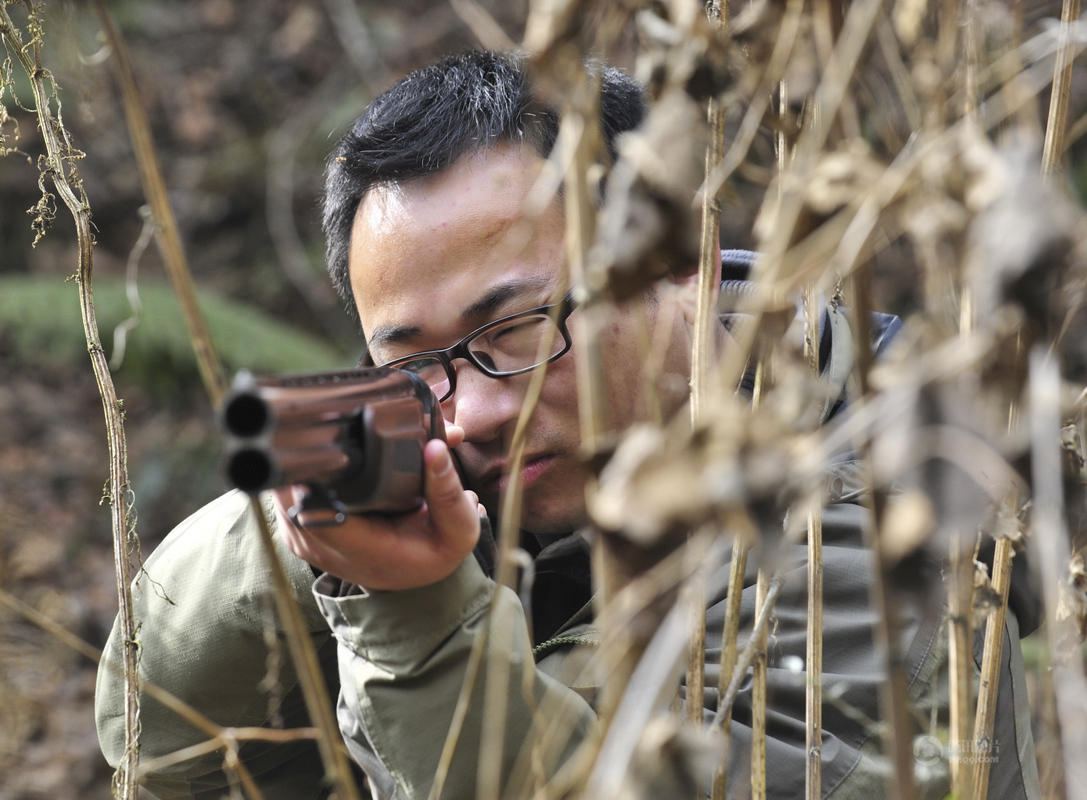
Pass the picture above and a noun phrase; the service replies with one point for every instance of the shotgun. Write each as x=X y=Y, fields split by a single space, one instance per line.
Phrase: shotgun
x=353 y=438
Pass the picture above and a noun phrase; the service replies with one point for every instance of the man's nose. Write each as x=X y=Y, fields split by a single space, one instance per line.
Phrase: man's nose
x=483 y=405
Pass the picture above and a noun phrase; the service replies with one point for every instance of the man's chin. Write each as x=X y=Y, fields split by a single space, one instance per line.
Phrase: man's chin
x=541 y=517
x=550 y=519
x=552 y=497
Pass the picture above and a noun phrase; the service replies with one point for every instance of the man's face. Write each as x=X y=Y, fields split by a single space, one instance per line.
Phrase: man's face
x=435 y=258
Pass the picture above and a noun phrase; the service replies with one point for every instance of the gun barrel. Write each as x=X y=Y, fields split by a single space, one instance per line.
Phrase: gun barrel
x=251 y=469
x=246 y=414
x=355 y=437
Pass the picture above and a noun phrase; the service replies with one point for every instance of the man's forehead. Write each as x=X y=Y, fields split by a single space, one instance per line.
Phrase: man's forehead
x=505 y=169
x=436 y=252
x=378 y=206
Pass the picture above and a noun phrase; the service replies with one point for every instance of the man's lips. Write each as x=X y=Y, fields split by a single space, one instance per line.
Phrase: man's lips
x=497 y=478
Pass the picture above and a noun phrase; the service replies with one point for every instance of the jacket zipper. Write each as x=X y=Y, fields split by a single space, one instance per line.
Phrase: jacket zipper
x=551 y=644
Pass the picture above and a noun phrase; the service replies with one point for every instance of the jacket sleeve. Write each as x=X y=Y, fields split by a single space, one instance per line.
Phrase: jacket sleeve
x=403 y=659
x=203 y=610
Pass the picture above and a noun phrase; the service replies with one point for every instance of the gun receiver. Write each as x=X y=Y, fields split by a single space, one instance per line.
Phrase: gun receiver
x=354 y=438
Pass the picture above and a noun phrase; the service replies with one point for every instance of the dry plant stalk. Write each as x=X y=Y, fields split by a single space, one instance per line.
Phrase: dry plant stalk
x=58 y=166
x=166 y=232
x=1050 y=545
x=893 y=696
x=218 y=737
x=961 y=663
x=1057 y=122
x=758 y=692
x=299 y=644
x=312 y=682
x=985 y=716
x=813 y=663
x=580 y=117
x=497 y=678
x=738 y=566
x=702 y=357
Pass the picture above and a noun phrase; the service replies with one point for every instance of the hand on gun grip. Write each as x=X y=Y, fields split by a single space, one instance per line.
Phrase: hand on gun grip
x=365 y=484
x=393 y=551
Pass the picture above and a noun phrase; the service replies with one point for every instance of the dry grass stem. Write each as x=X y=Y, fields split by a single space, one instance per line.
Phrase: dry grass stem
x=497 y=680
x=169 y=240
x=166 y=232
x=649 y=687
x=961 y=665
x=218 y=737
x=813 y=662
x=310 y=678
x=1049 y=542
x=58 y=166
x=737 y=567
x=752 y=649
x=758 y=693
x=1057 y=121
x=705 y=338
x=460 y=714
x=893 y=696
x=990 y=662
x=497 y=676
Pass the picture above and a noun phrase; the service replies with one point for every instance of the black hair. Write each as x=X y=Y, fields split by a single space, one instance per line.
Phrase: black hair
x=436 y=114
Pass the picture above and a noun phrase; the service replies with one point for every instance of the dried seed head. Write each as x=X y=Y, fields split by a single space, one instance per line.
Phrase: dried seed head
x=648 y=228
x=672 y=760
x=908 y=522
x=1021 y=242
x=986 y=598
x=662 y=483
x=1072 y=601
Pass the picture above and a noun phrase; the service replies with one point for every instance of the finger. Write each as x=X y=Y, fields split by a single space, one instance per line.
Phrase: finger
x=454 y=434
x=283 y=499
x=452 y=511
x=443 y=488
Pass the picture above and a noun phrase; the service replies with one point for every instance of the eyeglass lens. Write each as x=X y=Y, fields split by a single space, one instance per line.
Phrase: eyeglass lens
x=513 y=346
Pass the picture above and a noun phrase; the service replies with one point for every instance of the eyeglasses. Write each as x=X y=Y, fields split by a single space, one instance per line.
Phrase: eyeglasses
x=508 y=346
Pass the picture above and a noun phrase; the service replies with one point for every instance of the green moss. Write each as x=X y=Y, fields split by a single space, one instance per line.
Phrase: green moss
x=40 y=323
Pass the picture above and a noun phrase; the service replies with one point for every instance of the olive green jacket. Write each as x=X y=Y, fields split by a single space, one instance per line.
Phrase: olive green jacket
x=398 y=661
x=208 y=634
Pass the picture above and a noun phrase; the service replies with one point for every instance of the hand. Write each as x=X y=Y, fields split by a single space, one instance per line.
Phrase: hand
x=391 y=552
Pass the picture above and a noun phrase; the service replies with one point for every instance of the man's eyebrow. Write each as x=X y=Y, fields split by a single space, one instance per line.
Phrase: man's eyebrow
x=494 y=299
x=392 y=335
x=501 y=294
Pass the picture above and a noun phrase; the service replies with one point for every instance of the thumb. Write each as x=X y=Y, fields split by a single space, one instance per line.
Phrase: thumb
x=452 y=510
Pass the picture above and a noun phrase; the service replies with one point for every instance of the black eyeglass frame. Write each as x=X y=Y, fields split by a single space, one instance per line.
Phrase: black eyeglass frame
x=447 y=355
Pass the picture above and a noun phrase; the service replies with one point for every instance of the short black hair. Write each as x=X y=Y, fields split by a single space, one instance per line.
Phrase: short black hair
x=436 y=114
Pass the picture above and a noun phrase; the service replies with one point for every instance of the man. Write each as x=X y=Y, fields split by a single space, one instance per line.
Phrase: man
x=425 y=219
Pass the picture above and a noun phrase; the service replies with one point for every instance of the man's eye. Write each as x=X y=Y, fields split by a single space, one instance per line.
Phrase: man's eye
x=420 y=365
x=519 y=330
